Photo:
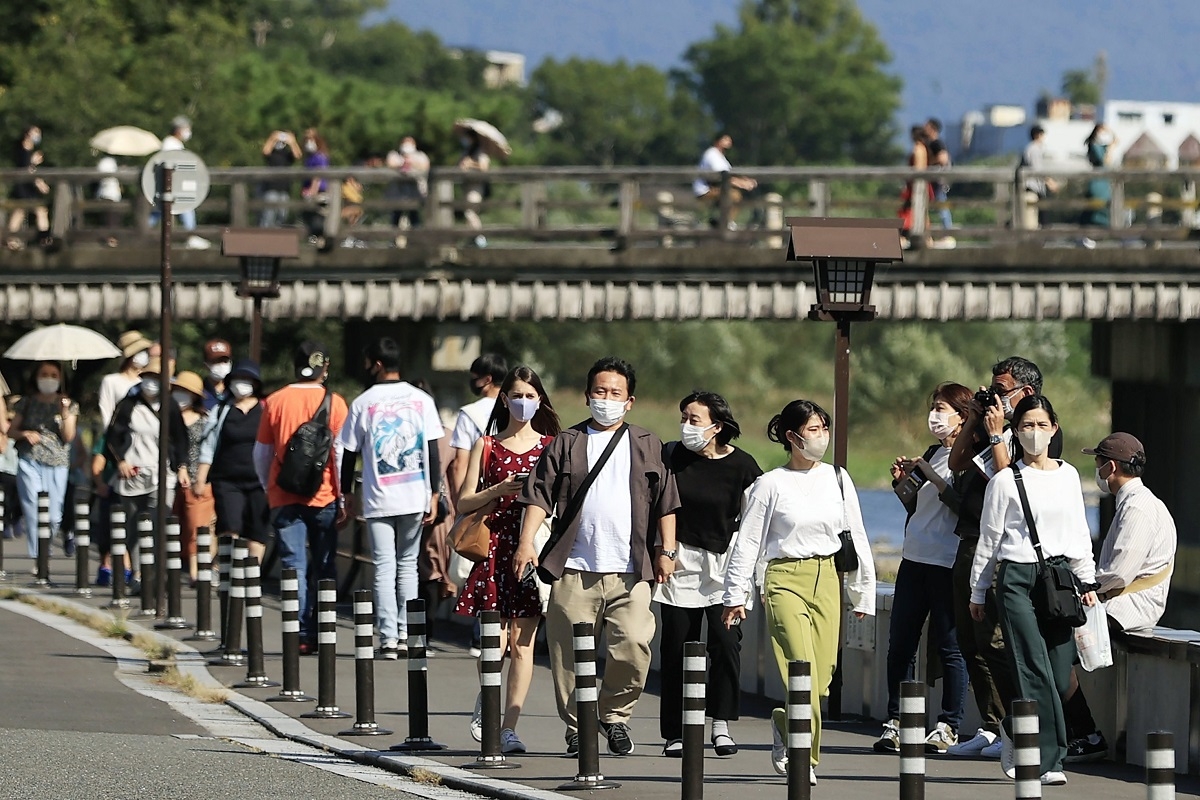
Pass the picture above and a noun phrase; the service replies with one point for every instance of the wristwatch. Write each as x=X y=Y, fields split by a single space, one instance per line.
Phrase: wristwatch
x=669 y=554
x=995 y=439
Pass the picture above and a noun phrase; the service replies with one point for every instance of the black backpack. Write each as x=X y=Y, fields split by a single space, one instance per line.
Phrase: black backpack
x=307 y=453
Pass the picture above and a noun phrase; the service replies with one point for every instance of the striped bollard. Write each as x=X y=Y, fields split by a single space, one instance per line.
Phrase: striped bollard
x=83 y=541
x=204 y=575
x=1160 y=765
x=490 y=664
x=586 y=696
x=145 y=538
x=364 y=668
x=3 y=530
x=289 y=602
x=232 y=654
x=116 y=557
x=256 y=672
x=799 y=730
x=912 y=740
x=224 y=569
x=418 y=682
x=43 y=540
x=1027 y=754
x=326 y=653
x=695 y=678
x=174 y=620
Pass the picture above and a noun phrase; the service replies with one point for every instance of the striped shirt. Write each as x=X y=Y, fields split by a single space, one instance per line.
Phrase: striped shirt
x=1140 y=542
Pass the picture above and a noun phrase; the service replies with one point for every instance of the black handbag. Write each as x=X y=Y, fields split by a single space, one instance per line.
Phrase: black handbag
x=846 y=558
x=1056 y=592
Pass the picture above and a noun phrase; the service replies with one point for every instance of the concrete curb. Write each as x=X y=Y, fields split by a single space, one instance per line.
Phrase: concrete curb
x=190 y=661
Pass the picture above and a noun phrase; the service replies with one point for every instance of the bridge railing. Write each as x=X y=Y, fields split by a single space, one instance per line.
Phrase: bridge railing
x=637 y=206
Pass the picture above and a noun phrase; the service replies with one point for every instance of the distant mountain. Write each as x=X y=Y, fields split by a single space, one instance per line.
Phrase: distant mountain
x=954 y=56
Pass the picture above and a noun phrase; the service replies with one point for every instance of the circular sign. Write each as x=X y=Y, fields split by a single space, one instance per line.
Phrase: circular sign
x=189 y=179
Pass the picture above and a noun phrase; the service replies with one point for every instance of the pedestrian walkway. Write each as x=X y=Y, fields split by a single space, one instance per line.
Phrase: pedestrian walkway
x=848 y=768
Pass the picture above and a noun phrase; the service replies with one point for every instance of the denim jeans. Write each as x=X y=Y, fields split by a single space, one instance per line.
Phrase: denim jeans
x=273 y=216
x=33 y=477
x=297 y=527
x=395 y=545
x=187 y=219
x=939 y=196
x=925 y=591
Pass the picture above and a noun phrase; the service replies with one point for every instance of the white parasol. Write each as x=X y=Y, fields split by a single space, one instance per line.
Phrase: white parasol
x=493 y=141
x=126 y=140
x=62 y=343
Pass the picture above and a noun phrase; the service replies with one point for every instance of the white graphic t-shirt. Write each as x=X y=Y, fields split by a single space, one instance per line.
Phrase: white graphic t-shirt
x=392 y=425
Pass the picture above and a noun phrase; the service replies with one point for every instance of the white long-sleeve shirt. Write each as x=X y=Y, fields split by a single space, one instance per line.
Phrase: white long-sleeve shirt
x=1141 y=542
x=791 y=513
x=1056 y=500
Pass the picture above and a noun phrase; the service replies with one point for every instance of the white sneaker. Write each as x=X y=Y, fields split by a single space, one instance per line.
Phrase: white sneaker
x=940 y=739
x=812 y=776
x=993 y=750
x=197 y=243
x=510 y=742
x=779 y=753
x=1054 y=778
x=477 y=719
x=1008 y=755
x=973 y=746
x=889 y=742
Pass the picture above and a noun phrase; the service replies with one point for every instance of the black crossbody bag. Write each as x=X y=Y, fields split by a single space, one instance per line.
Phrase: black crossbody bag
x=1056 y=592
x=846 y=558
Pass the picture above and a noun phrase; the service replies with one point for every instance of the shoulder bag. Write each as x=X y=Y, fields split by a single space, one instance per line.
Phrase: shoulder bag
x=471 y=537
x=575 y=504
x=1055 y=592
x=846 y=558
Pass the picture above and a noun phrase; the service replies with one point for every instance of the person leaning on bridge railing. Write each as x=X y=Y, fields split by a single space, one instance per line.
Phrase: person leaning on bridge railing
x=1036 y=189
x=28 y=157
x=713 y=160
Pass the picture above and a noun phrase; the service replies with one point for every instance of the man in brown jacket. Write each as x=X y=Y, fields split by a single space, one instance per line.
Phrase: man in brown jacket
x=621 y=540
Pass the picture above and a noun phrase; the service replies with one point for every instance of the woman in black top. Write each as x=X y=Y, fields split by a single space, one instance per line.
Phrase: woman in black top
x=227 y=460
x=712 y=476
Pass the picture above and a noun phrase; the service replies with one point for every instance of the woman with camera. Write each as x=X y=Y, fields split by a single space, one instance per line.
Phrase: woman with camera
x=795 y=520
x=712 y=476
x=1035 y=504
x=924 y=581
x=496 y=473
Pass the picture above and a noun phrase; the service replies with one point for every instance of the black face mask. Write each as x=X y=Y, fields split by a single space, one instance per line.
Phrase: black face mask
x=476 y=389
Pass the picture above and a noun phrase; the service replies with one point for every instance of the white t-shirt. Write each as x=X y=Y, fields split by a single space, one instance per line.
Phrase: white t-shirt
x=172 y=142
x=604 y=540
x=470 y=423
x=929 y=535
x=110 y=188
x=113 y=388
x=392 y=425
x=713 y=160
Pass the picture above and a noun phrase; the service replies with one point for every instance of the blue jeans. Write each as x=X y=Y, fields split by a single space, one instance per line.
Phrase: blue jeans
x=939 y=196
x=273 y=216
x=297 y=527
x=395 y=545
x=33 y=477
x=925 y=591
x=187 y=219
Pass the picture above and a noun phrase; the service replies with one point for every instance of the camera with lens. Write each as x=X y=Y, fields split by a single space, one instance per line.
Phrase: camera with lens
x=986 y=398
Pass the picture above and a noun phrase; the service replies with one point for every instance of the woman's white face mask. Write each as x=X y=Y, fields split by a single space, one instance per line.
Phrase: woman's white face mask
x=1035 y=441
x=692 y=436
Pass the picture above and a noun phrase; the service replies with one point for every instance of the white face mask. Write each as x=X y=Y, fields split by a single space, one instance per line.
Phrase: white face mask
x=523 y=408
x=607 y=413
x=939 y=424
x=220 y=370
x=1102 y=483
x=1006 y=404
x=814 y=449
x=184 y=399
x=47 y=385
x=241 y=389
x=185 y=134
x=310 y=146
x=150 y=387
x=141 y=360
x=408 y=148
x=692 y=436
x=1036 y=441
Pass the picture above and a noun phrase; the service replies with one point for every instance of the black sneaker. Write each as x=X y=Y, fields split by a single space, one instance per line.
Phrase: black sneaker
x=619 y=743
x=573 y=744
x=1084 y=749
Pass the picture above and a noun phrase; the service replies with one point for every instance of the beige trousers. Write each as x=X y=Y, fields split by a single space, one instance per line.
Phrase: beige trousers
x=618 y=605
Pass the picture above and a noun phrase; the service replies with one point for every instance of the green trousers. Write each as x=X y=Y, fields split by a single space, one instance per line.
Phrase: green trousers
x=1041 y=654
x=981 y=643
x=804 y=613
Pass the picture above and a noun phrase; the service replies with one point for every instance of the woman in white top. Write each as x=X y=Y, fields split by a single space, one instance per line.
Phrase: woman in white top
x=1041 y=652
x=791 y=520
x=135 y=355
x=924 y=589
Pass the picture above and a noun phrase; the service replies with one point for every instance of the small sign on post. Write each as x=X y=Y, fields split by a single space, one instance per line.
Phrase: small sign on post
x=190 y=183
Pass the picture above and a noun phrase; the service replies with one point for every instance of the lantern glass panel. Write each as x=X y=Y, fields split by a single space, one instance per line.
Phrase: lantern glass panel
x=261 y=272
x=843 y=281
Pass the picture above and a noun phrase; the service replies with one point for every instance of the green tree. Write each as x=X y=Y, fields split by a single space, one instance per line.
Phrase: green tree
x=1081 y=87
x=799 y=81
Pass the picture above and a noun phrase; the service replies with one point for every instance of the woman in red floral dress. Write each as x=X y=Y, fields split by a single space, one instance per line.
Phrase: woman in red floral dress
x=526 y=422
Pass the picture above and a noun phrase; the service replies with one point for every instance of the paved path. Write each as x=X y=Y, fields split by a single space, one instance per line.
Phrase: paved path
x=848 y=769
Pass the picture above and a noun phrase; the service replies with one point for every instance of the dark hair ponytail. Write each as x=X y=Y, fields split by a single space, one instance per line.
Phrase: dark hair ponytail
x=793 y=417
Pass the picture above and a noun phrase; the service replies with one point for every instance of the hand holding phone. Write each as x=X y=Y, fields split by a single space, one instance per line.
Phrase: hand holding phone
x=529 y=575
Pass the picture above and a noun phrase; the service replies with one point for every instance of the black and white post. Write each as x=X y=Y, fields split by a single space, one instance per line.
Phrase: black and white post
x=1160 y=765
x=83 y=540
x=289 y=602
x=174 y=620
x=364 y=668
x=145 y=537
x=326 y=653
x=695 y=679
x=799 y=730
x=116 y=556
x=224 y=574
x=42 y=577
x=256 y=672
x=3 y=530
x=587 y=724
x=232 y=654
x=1026 y=750
x=418 y=682
x=491 y=662
x=912 y=740
x=204 y=576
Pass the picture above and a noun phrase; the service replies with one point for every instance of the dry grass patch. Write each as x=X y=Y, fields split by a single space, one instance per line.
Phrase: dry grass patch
x=422 y=775
x=188 y=684
x=155 y=648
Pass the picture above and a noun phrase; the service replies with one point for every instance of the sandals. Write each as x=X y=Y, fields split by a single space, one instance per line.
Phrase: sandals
x=673 y=748
x=724 y=745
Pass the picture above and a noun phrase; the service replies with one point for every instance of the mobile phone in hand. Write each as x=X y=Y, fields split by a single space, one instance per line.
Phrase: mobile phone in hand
x=529 y=575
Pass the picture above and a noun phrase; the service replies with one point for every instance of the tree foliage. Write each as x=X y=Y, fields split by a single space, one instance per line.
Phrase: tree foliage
x=799 y=81
x=1081 y=87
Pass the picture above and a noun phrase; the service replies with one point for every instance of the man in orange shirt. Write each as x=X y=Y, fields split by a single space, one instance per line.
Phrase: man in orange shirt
x=299 y=521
